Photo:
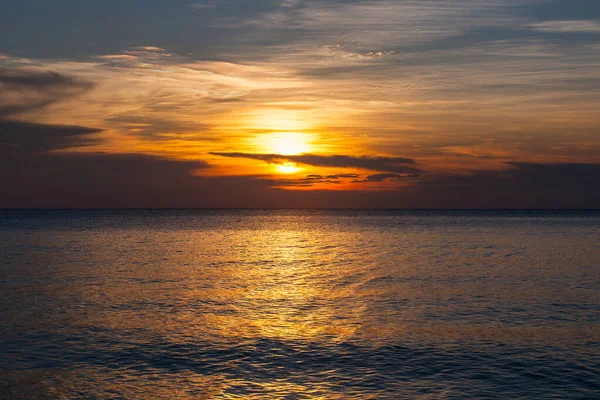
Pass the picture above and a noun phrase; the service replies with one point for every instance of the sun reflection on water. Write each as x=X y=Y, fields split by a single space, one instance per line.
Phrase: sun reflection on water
x=292 y=295
x=286 y=305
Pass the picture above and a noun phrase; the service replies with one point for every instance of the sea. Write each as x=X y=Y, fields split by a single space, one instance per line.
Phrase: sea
x=299 y=304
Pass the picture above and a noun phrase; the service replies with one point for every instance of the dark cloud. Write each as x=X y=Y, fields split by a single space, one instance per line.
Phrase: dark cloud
x=27 y=90
x=310 y=180
x=40 y=137
x=524 y=185
x=386 y=177
x=32 y=176
x=525 y=176
x=84 y=169
x=28 y=149
x=521 y=186
x=383 y=164
x=50 y=179
x=35 y=79
x=337 y=176
x=36 y=171
x=556 y=175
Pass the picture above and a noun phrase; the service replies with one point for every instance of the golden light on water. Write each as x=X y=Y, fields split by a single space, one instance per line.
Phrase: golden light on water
x=288 y=303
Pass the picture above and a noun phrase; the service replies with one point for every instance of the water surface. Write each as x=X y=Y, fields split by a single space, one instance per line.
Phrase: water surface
x=299 y=304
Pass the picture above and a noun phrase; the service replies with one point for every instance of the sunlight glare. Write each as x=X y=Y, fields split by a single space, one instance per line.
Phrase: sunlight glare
x=289 y=144
x=287 y=168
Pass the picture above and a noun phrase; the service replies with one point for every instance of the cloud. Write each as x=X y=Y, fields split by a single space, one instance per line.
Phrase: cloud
x=156 y=128
x=490 y=75
x=523 y=177
x=36 y=79
x=380 y=53
x=555 y=175
x=25 y=146
x=34 y=174
x=102 y=180
x=523 y=185
x=42 y=137
x=338 y=176
x=470 y=85
x=385 y=164
x=149 y=48
x=588 y=26
x=38 y=168
x=387 y=177
x=309 y=181
x=27 y=90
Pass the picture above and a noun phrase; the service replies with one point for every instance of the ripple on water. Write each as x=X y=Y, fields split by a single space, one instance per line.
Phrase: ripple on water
x=187 y=304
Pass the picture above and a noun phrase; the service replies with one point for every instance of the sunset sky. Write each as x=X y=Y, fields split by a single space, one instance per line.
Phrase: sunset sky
x=292 y=103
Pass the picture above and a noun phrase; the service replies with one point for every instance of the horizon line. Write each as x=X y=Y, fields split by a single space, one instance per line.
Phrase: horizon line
x=279 y=209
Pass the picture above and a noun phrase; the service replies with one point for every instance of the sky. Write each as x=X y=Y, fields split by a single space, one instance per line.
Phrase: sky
x=299 y=103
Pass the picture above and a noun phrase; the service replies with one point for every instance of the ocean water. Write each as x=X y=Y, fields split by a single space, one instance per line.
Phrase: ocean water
x=299 y=304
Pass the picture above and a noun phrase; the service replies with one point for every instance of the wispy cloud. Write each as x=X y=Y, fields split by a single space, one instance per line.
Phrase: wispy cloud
x=387 y=164
x=590 y=26
x=354 y=181
x=29 y=89
x=386 y=177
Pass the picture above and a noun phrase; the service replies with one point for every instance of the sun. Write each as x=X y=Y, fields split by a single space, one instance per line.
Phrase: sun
x=287 y=168
x=287 y=143
x=284 y=135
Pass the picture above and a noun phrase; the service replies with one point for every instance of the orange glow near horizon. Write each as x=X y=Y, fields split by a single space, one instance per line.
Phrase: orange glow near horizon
x=287 y=168
x=188 y=113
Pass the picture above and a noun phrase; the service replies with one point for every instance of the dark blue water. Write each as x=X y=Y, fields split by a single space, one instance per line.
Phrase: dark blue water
x=299 y=304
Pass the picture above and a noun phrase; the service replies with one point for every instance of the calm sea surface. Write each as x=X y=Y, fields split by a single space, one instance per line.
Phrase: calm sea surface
x=299 y=304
